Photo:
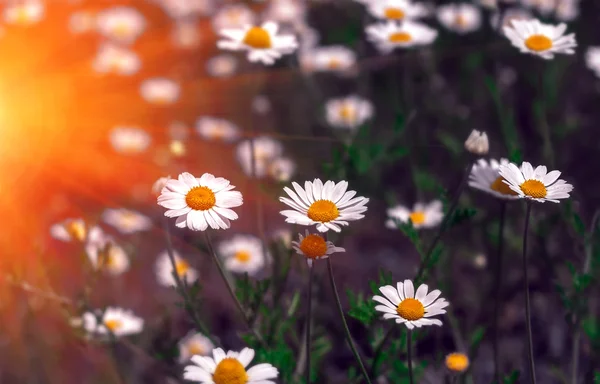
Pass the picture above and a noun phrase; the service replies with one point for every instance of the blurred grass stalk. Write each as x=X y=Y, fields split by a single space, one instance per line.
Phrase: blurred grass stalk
x=497 y=291
x=527 y=299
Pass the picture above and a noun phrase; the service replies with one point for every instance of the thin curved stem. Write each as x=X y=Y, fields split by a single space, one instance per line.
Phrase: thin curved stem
x=527 y=299
x=346 y=329
x=497 y=290
x=409 y=356
x=308 y=321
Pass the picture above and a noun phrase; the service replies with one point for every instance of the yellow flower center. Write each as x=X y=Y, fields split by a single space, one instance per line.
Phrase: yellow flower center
x=457 y=362
x=313 y=246
x=394 y=13
x=22 y=16
x=499 y=186
x=113 y=324
x=534 y=188
x=177 y=148
x=195 y=349
x=230 y=371
x=460 y=21
x=410 y=309
x=181 y=267
x=121 y=30
x=242 y=256
x=348 y=113
x=538 y=43
x=76 y=229
x=400 y=37
x=106 y=257
x=334 y=63
x=200 y=198
x=257 y=38
x=417 y=217
x=323 y=211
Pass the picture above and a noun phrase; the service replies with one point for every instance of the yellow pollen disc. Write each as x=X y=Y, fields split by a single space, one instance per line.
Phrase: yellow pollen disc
x=348 y=113
x=257 y=38
x=76 y=230
x=538 y=43
x=106 y=257
x=113 y=324
x=323 y=211
x=121 y=30
x=460 y=21
x=181 y=267
x=499 y=186
x=242 y=256
x=400 y=37
x=313 y=246
x=394 y=13
x=334 y=64
x=230 y=371
x=417 y=217
x=200 y=198
x=457 y=362
x=410 y=309
x=22 y=16
x=534 y=188
x=195 y=349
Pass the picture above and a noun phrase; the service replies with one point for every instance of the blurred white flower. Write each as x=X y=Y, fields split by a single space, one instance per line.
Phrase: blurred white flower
x=243 y=254
x=396 y=10
x=223 y=65
x=121 y=24
x=460 y=17
x=335 y=58
x=349 y=112
x=160 y=184
x=193 y=344
x=422 y=215
x=266 y=150
x=232 y=16
x=69 y=229
x=212 y=128
x=390 y=35
x=282 y=169
x=544 y=7
x=164 y=270
x=129 y=140
x=286 y=11
x=115 y=59
x=104 y=254
x=118 y=321
x=82 y=21
x=543 y=40
x=24 y=13
x=126 y=221
x=283 y=235
x=592 y=59
x=508 y=16
x=186 y=9
x=261 y=104
x=567 y=10
x=185 y=34
x=177 y=148
x=477 y=143
x=160 y=91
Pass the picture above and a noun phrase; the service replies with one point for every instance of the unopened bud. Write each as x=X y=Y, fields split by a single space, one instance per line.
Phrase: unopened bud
x=477 y=143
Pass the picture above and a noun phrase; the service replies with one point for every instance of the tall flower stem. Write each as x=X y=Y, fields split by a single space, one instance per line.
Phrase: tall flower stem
x=223 y=274
x=497 y=290
x=409 y=356
x=308 y=321
x=527 y=300
x=342 y=317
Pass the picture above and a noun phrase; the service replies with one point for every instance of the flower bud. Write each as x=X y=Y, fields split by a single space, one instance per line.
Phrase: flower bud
x=477 y=143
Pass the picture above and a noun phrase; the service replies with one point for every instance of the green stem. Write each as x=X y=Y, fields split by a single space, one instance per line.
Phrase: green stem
x=308 y=320
x=527 y=299
x=379 y=351
x=497 y=290
x=409 y=356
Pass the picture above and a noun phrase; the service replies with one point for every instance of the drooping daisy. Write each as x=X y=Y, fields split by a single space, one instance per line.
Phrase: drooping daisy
x=129 y=140
x=243 y=254
x=328 y=206
x=282 y=169
x=407 y=307
x=164 y=270
x=543 y=40
x=486 y=177
x=213 y=128
x=126 y=221
x=232 y=16
x=105 y=254
x=193 y=344
x=24 y=13
x=266 y=150
x=160 y=184
x=349 y=112
x=535 y=184
x=457 y=362
x=422 y=215
x=229 y=368
x=82 y=21
x=69 y=230
x=118 y=321
x=221 y=66
x=314 y=247
x=388 y=36
x=335 y=58
x=112 y=58
x=160 y=91
x=200 y=202
x=262 y=43
x=396 y=10
x=121 y=24
x=460 y=18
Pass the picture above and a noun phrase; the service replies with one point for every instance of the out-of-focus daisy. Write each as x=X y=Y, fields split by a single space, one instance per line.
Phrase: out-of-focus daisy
x=396 y=10
x=221 y=66
x=508 y=16
x=186 y=9
x=229 y=368
x=121 y=24
x=282 y=169
x=164 y=270
x=261 y=105
x=69 y=229
x=535 y=184
x=422 y=215
x=262 y=43
x=185 y=35
x=232 y=16
x=308 y=37
x=118 y=321
x=105 y=254
x=160 y=184
x=480 y=261
x=349 y=112
x=193 y=344
x=266 y=150
x=407 y=307
x=177 y=148
x=388 y=36
x=82 y=21
x=460 y=17
x=328 y=206
x=457 y=362
x=160 y=91
x=129 y=140
x=543 y=40
x=544 y=7
x=126 y=221
x=486 y=177
x=567 y=10
x=283 y=235
x=212 y=128
x=243 y=254
x=592 y=59
x=335 y=58
x=314 y=247
x=198 y=203
x=116 y=59
x=285 y=11
x=24 y=13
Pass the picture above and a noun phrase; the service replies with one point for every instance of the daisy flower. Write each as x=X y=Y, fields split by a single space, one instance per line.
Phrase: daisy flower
x=164 y=270
x=486 y=177
x=396 y=10
x=335 y=58
x=233 y=16
x=160 y=91
x=592 y=59
x=200 y=202
x=460 y=18
x=286 y=11
x=69 y=229
x=243 y=254
x=543 y=40
x=129 y=140
x=477 y=143
x=185 y=9
x=221 y=66
x=282 y=169
x=193 y=344
x=328 y=206
x=126 y=221
x=407 y=307
x=266 y=150
x=535 y=184
x=24 y=13
x=112 y=58
x=457 y=362
x=262 y=43
x=388 y=36
x=118 y=321
x=212 y=128
x=121 y=24
x=104 y=254
x=160 y=184
x=422 y=215
x=314 y=247
x=349 y=112
x=229 y=368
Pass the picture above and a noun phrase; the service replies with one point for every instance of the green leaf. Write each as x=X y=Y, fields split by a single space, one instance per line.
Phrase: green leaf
x=578 y=225
x=512 y=378
x=461 y=215
x=476 y=337
x=399 y=123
